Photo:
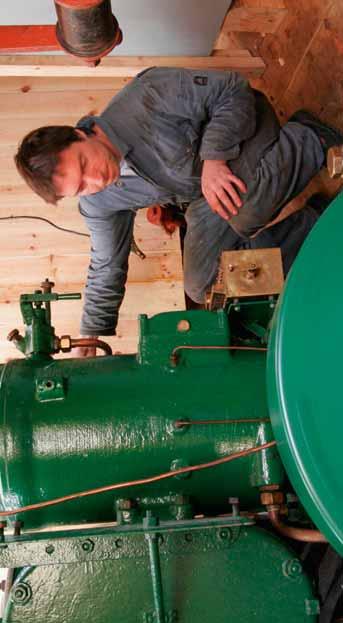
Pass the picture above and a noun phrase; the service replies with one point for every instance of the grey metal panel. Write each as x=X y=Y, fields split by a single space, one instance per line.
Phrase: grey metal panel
x=150 y=27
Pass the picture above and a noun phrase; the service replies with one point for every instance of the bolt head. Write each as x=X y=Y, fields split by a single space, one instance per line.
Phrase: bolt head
x=292 y=568
x=21 y=593
x=49 y=549
x=183 y=326
x=88 y=545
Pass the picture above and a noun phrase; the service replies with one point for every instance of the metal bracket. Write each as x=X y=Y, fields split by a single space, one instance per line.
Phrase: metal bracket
x=50 y=387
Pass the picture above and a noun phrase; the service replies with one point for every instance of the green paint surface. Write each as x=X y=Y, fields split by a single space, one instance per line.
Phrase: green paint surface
x=240 y=575
x=305 y=375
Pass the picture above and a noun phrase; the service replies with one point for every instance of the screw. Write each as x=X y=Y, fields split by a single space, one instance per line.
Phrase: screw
x=49 y=549
x=119 y=543
x=292 y=568
x=188 y=537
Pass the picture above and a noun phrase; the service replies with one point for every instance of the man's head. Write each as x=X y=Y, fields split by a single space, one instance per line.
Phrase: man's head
x=62 y=161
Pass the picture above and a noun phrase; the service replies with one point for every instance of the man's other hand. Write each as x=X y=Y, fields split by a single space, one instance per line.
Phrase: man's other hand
x=86 y=351
x=218 y=187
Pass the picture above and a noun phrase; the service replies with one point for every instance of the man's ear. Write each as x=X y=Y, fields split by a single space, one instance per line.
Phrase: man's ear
x=81 y=133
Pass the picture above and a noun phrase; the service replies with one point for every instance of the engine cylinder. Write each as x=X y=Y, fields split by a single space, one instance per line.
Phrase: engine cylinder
x=75 y=424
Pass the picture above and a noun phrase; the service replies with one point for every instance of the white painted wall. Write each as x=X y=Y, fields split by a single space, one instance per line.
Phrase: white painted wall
x=150 y=27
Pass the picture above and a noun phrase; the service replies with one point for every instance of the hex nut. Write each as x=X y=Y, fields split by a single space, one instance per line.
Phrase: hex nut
x=21 y=593
x=88 y=545
x=65 y=343
x=269 y=498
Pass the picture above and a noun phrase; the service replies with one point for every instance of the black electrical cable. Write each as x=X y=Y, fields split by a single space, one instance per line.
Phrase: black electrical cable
x=45 y=220
x=134 y=248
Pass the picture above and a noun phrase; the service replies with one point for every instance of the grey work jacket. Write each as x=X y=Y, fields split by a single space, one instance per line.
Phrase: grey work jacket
x=165 y=123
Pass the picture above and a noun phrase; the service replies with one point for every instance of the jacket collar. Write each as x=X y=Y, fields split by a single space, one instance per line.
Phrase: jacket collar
x=88 y=121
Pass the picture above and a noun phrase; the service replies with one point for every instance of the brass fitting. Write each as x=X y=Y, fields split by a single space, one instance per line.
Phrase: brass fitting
x=65 y=343
x=335 y=161
x=272 y=498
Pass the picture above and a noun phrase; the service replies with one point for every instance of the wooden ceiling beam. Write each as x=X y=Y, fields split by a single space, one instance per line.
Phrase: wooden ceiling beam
x=122 y=66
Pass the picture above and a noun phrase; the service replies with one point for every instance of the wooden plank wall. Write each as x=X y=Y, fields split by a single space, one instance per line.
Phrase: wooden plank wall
x=301 y=44
x=31 y=250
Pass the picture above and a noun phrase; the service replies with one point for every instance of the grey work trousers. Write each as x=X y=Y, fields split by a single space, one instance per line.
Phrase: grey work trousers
x=280 y=174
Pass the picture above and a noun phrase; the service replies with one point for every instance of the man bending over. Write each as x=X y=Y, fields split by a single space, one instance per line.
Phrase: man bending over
x=204 y=138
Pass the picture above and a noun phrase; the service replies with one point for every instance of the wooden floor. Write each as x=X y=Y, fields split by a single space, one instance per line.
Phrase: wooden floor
x=301 y=43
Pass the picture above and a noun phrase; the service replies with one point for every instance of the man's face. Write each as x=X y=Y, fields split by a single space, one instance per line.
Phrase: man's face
x=85 y=167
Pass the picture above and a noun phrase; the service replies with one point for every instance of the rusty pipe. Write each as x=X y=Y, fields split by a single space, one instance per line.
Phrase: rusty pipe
x=87 y=29
x=298 y=534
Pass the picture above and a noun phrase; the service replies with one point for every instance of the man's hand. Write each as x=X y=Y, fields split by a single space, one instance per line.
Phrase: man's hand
x=218 y=187
x=86 y=351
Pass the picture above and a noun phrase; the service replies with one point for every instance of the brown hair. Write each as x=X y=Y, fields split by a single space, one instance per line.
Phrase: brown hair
x=37 y=157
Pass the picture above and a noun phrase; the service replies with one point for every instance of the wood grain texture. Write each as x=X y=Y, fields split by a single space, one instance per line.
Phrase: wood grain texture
x=304 y=60
x=35 y=105
x=252 y=19
x=31 y=250
x=22 y=84
x=120 y=67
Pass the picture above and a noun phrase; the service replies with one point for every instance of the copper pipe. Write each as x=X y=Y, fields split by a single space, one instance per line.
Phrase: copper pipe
x=298 y=534
x=141 y=481
x=88 y=341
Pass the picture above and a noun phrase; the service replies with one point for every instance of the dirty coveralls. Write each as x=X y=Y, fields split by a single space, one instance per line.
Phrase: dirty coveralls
x=165 y=123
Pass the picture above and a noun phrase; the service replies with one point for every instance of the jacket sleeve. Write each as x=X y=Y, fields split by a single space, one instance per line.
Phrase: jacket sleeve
x=226 y=104
x=111 y=238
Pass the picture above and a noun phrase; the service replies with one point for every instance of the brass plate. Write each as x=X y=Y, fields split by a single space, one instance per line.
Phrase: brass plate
x=252 y=272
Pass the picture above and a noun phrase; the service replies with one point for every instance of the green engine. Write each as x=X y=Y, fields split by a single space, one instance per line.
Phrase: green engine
x=178 y=484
